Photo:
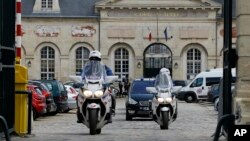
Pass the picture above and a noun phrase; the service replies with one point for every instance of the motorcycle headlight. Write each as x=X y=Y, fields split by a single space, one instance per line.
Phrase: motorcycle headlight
x=169 y=99
x=98 y=93
x=87 y=93
x=160 y=100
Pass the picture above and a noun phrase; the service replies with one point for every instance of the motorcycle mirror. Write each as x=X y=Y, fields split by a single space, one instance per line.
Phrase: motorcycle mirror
x=151 y=90
x=75 y=78
x=111 y=79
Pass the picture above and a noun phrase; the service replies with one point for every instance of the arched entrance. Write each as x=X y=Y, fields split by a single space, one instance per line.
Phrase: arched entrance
x=156 y=56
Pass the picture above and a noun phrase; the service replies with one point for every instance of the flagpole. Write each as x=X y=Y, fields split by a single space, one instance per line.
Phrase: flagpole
x=157 y=27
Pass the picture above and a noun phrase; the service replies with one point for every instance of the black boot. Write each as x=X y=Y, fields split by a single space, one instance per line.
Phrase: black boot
x=79 y=116
x=113 y=104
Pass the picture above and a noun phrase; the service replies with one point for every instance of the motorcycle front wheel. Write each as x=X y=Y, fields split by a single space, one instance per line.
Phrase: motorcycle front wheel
x=165 y=120
x=92 y=121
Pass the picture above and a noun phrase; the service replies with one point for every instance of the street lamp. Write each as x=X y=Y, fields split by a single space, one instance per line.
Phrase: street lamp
x=29 y=64
x=139 y=65
x=176 y=65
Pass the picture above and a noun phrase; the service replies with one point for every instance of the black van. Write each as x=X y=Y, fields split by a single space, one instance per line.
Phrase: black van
x=59 y=94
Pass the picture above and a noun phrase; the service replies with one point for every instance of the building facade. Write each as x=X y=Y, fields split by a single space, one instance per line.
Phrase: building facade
x=136 y=38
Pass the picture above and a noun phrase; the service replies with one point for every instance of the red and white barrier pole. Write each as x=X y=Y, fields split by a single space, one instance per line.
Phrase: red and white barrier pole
x=18 y=30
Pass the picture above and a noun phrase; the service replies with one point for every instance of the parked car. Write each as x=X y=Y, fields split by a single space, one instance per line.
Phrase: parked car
x=217 y=99
x=59 y=94
x=38 y=101
x=51 y=105
x=213 y=93
x=75 y=85
x=138 y=102
x=72 y=94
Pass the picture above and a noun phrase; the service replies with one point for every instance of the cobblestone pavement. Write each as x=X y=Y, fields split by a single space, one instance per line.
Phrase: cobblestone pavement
x=195 y=122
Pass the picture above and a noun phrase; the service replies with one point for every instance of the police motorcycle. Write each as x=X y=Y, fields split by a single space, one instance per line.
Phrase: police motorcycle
x=164 y=103
x=94 y=99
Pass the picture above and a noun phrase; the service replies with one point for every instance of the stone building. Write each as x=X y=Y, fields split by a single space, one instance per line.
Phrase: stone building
x=241 y=99
x=59 y=34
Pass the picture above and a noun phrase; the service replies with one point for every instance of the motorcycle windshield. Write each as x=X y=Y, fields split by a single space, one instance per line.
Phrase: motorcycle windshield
x=162 y=81
x=94 y=70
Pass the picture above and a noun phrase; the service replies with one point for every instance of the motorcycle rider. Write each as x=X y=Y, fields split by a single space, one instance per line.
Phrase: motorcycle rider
x=96 y=56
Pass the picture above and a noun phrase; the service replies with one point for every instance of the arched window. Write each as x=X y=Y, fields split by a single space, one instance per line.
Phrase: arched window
x=82 y=56
x=122 y=62
x=193 y=62
x=47 y=63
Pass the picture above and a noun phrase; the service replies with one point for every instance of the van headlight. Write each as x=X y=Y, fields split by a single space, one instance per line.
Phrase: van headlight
x=98 y=93
x=87 y=93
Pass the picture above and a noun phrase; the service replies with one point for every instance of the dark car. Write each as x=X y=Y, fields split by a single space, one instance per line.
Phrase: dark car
x=59 y=94
x=51 y=105
x=138 y=102
x=213 y=93
x=217 y=99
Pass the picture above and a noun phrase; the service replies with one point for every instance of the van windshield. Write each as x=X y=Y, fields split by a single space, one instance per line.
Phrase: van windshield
x=197 y=82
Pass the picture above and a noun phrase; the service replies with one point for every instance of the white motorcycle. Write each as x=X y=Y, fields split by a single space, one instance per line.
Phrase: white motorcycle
x=164 y=104
x=94 y=99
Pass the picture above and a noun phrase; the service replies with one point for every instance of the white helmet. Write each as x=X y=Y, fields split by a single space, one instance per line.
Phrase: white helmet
x=95 y=55
x=165 y=70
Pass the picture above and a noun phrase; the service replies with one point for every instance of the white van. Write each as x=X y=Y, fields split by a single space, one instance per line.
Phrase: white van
x=197 y=88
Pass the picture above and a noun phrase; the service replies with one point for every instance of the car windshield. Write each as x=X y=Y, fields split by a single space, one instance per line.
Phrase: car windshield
x=49 y=86
x=43 y=86
x=38 y=90
x=94 y=70
x=139 y=87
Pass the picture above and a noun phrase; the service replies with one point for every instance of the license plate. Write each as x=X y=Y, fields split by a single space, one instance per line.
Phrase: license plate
x=144 y=108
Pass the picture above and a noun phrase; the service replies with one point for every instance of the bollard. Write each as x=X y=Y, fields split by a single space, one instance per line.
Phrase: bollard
x=21 y=100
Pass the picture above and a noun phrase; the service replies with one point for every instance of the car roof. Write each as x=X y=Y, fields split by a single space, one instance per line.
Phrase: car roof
x=139 y=86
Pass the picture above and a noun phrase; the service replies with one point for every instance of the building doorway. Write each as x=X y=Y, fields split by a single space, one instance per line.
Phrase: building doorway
x=156 y=56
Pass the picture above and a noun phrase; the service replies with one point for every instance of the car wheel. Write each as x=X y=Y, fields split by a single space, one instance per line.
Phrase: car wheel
x=66 y=111
x=53 y=113
x=128 y=117
x=35 y=115
x=189 y=98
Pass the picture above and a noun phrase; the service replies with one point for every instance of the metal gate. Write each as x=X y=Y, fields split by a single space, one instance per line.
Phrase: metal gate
x=7 y=61
x=156 y=56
